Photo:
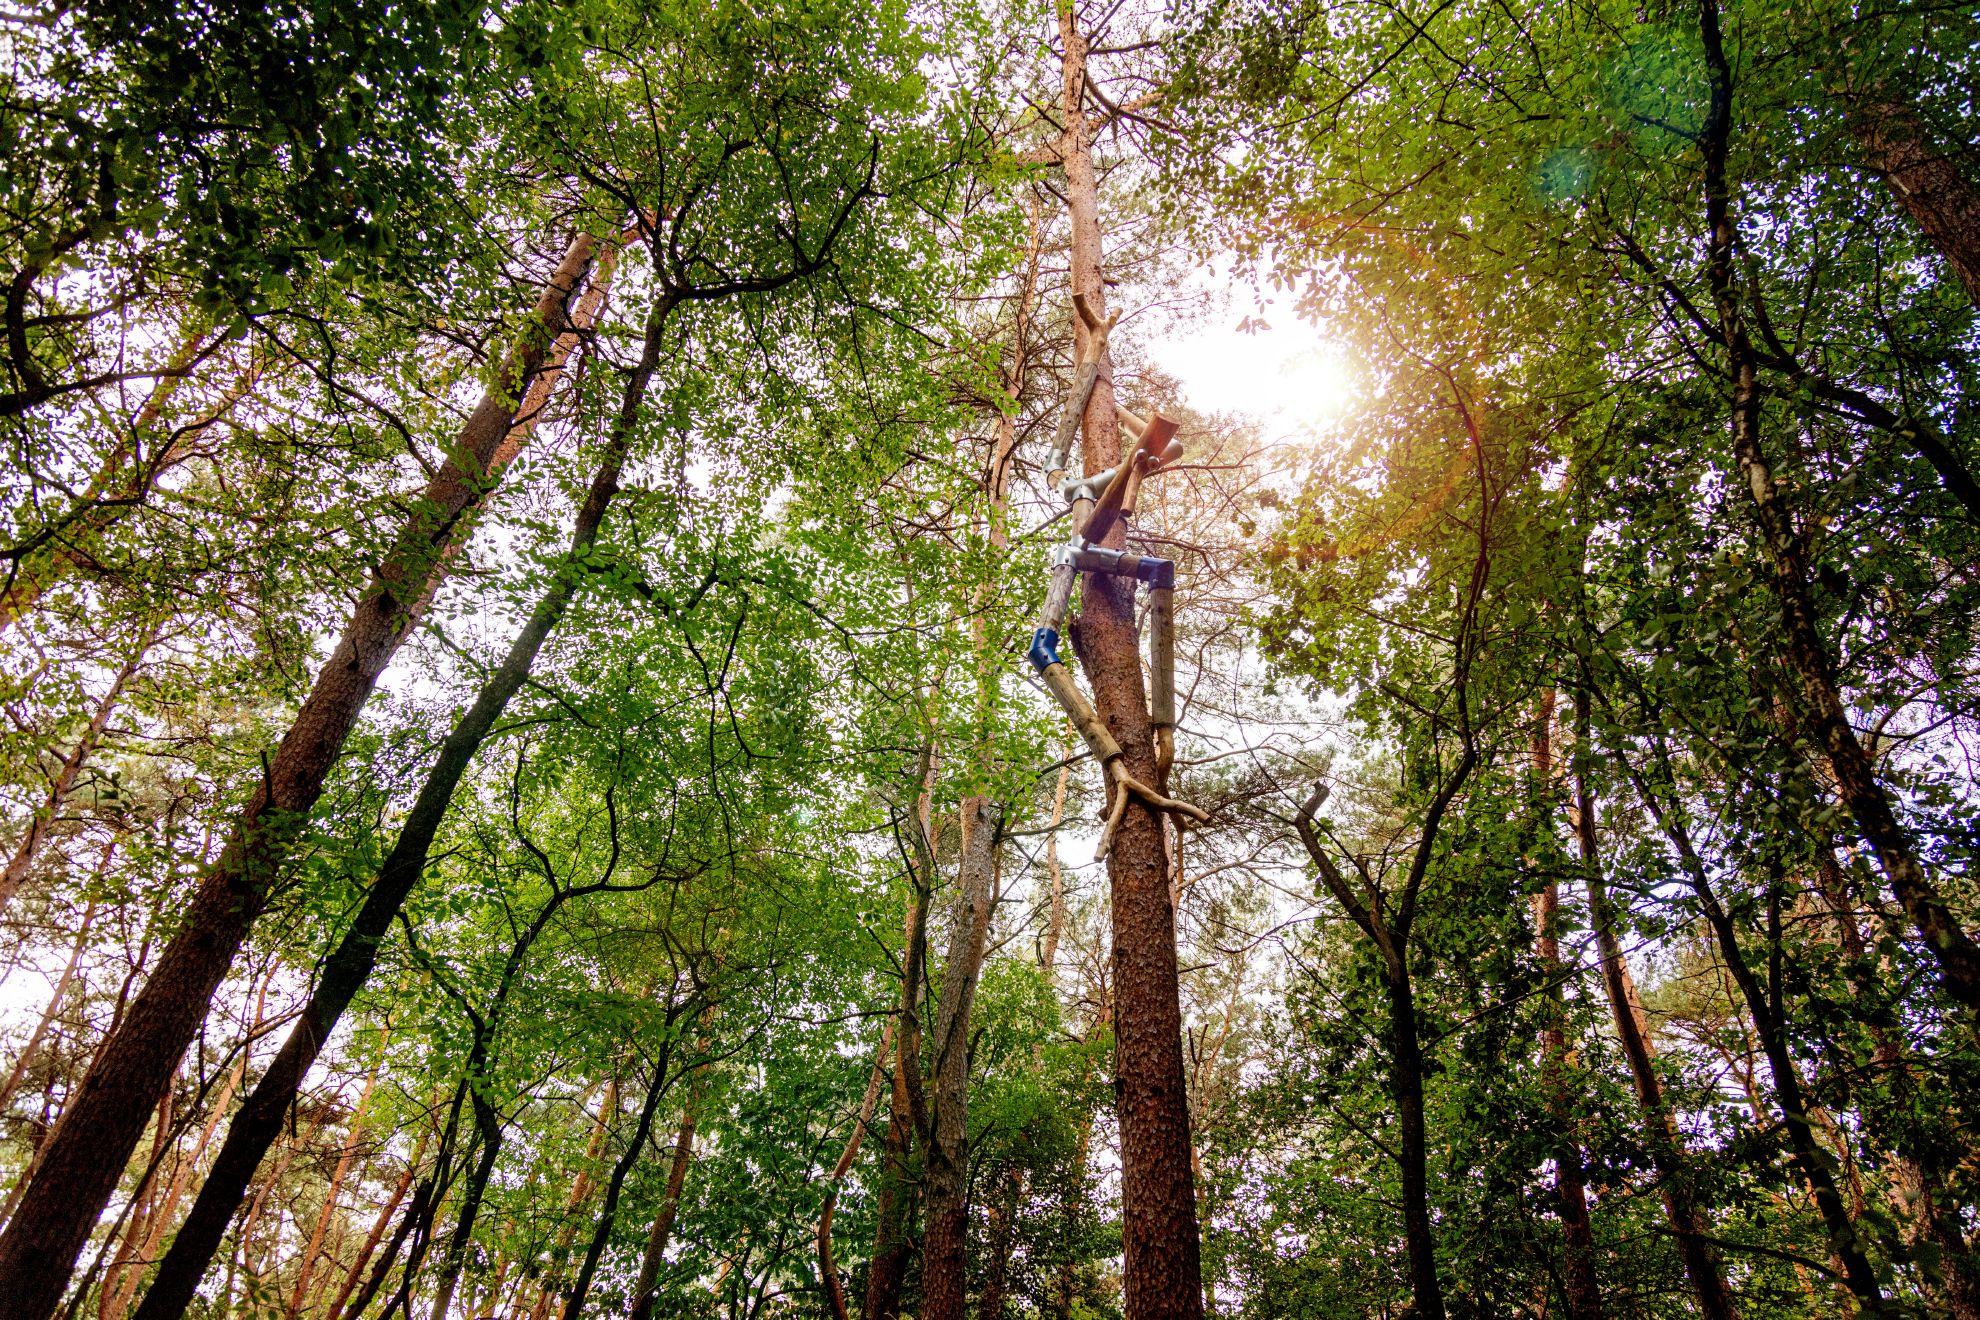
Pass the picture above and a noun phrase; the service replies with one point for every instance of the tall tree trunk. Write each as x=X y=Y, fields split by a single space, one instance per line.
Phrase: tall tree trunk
x=945 y=1247
x=1583 y=1292
x=1926 y=178
x=43 y=821
x=1763 y=1007
x=103 y=1121
x=350 y=964
x=657 y=1237
x=1162 y=1248
x=828 y=1270
x=162 y=1218
x=1701 y=1262
x=1817 y=698
x=892 y=1243
x=615 y=1183
x=378 y=1227
x=48 y=1015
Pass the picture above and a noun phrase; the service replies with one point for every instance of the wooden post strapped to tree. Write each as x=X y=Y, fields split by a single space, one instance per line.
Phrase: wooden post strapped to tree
x=1156 y=450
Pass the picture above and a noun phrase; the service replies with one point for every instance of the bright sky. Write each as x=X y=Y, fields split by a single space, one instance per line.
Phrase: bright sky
x=1294 y=377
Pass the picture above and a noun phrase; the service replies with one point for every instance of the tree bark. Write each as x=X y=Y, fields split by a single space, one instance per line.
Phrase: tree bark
x=350 y=964
x=102 y=1123
x=1925 y=178
x=1162 y=1276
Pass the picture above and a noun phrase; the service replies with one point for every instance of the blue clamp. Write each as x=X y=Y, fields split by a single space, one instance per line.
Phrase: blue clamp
x=1044 y=652
x=1157 y=573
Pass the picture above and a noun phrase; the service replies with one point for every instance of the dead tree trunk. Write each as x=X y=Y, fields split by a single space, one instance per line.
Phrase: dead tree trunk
x=1161 y=1244
x=103 y=1122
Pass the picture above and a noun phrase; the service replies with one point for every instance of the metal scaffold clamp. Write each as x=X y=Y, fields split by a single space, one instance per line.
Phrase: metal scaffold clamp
x=1099 y=502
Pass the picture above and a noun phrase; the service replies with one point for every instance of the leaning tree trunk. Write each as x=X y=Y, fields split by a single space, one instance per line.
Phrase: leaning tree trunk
x=102 y=1123
x=1162 y=1278
x=1926 y=179
x=1817 y=698
x=349 y=966
x=1701 y=1262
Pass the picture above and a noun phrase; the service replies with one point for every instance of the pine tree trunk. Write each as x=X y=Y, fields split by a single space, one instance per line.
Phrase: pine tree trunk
x=104 y=1120
x=22 y=860
x=1701 y=1263
x=1927 y=180
x=657 y=1237
x=349 y=966
x=1162 y=1249
x=1583 y=1292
